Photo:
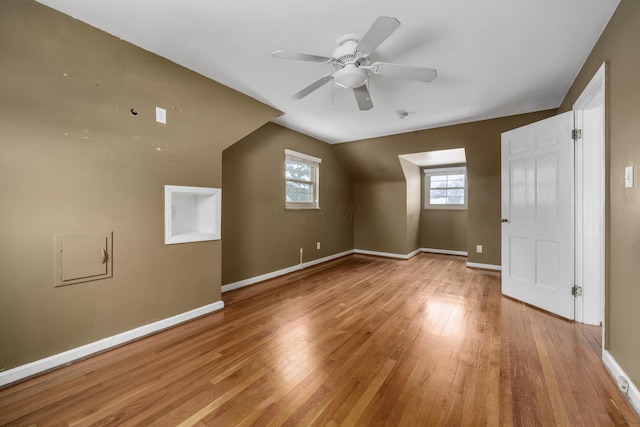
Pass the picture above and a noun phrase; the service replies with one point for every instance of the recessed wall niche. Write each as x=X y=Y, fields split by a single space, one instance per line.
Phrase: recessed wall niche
x=192 y=214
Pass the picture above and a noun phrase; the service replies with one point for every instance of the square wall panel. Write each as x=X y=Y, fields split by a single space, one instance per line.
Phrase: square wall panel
x=82 y=257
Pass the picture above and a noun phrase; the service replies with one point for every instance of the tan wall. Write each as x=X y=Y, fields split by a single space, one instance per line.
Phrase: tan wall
x=380 y=221
x=413 y=178
x=259 y=235
x=380 y=188
x=444 y=229
x=618 y=46
x=73 y=159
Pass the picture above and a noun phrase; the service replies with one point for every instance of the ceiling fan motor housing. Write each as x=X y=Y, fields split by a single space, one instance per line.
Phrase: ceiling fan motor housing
x=346 y=53
x=347 y=61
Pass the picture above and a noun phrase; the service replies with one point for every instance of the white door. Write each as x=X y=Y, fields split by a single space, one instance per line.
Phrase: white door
x=537 y=214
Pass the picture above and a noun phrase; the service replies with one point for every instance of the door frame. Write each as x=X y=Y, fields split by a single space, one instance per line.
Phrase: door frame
x=590 y=203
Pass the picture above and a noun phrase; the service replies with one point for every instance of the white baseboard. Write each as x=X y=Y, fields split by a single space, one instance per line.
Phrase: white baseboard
x=267 y=276
x=388 y=254
x=257 y=279
x=444 y=251
x=616 y=372
x=485 y=266
x=60 y=359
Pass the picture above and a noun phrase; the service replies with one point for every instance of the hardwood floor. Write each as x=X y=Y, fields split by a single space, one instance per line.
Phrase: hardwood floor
x=357 y=341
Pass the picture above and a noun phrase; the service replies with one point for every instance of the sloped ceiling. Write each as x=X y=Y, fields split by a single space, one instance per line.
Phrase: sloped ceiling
x=494 y=57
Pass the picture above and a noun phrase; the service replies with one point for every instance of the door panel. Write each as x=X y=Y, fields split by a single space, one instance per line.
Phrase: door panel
x=547 y=269
x=518 y=256
x=537 y=203
x=518 y=191
x=547 y=182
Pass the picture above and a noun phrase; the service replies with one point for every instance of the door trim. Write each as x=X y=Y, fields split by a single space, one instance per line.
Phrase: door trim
x=590 y=205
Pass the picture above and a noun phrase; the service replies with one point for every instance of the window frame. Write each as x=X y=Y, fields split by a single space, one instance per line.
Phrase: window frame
x=314 y=162
x=449 y=170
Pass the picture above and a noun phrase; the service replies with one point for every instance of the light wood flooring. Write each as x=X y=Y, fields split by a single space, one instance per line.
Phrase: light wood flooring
x=356 y=341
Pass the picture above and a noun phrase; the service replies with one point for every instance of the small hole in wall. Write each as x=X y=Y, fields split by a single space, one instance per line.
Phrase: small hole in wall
x=134 y=112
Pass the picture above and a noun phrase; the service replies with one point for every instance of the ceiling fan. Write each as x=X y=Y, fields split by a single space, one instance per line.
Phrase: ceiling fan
x=351 y=60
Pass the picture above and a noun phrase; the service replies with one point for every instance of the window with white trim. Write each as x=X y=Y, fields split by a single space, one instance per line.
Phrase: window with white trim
x=445 y=188
x=302 y=176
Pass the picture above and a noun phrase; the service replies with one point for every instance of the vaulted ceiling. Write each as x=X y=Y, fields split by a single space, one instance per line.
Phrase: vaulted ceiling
x=494 y=57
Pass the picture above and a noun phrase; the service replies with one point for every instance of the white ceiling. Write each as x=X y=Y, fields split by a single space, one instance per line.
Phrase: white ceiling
x=494 y=57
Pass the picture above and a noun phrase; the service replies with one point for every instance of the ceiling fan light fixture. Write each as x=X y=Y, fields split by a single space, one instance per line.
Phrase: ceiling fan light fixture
x=350 y=77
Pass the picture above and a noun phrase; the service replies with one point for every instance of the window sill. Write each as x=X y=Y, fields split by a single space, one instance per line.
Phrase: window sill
x=445 y=208
x=301 y=208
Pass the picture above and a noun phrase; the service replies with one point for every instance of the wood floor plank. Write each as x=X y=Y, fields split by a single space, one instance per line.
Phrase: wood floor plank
x=359 y=340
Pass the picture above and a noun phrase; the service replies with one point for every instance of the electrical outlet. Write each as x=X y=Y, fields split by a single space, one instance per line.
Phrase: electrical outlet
x=479 y=249
x=318 y=245
x=623 y=384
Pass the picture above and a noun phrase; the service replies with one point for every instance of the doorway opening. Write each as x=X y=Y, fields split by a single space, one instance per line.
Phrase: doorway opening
x=553 y=210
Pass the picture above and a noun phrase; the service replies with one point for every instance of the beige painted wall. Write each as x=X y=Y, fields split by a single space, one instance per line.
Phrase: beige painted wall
x=444 y=229
x=413 y=178
x=380 y=222
x=73 y=159
x=618 y=46
x=259 y=235
x=380 y=189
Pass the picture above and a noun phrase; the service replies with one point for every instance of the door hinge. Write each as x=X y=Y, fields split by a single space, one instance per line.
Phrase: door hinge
x=576 y=134
x=576 y=291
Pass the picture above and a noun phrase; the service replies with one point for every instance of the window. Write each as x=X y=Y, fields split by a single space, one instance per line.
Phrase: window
x=302 y=174
x=445 y=188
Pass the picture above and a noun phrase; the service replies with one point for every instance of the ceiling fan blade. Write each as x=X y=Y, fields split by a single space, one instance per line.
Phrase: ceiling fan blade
x=403 y=71
x=363 y=98
x=300 y=56
x=313 y=86
x=382 y=28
